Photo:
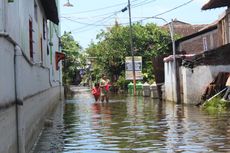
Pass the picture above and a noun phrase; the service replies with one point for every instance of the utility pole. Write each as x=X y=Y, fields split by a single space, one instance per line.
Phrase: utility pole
x=171 y=31
x=131 y=47
x=174 y=62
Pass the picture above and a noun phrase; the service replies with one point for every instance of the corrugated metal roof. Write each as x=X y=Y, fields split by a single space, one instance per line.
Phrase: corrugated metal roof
x=215 y=4
x=51 y=10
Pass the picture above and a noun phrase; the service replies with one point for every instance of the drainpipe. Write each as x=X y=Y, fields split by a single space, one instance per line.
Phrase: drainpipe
x=51 y=53
x=18 y=102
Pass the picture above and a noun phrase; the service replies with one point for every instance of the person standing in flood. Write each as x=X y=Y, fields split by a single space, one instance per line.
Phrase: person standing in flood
x=104 y=84
x=96 y=91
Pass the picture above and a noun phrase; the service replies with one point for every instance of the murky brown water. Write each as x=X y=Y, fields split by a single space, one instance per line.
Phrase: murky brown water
x=129 y=125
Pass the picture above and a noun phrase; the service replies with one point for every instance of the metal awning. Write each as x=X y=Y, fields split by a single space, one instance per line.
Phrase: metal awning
x=215 y=4
x=51 y=10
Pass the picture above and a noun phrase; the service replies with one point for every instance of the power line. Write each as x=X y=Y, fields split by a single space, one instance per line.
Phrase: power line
x=134 y=6
x=100 y=9
x=186 y=3
x=143 y=3
x=104 y=19
x=84 y=23
x=170 y=10
x=114 y=13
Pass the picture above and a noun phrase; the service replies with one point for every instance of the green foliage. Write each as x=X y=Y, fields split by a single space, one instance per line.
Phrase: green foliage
x=215 y=105
x=122 y=83
x=72 y=49
x=114 y=45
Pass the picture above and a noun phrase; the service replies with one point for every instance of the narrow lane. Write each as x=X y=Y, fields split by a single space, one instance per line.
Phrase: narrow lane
x=128 y=125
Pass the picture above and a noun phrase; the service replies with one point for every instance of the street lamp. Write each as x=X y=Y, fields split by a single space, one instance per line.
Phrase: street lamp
x=131 y=46
x=68 y=4
x=171 y=30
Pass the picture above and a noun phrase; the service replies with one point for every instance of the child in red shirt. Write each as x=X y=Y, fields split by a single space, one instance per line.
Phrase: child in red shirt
x=96 y=91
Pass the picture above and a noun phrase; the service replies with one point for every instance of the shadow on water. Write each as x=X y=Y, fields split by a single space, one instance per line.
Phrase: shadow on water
x=135 y=124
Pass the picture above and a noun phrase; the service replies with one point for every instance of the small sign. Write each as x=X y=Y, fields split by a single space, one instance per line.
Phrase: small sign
x=129 y=68
x=10 y=1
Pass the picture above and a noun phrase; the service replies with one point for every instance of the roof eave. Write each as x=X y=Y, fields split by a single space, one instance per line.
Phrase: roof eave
x=212 y=4
x=51 y=10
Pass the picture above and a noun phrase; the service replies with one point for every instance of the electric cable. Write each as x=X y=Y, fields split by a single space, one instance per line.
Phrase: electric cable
x=99 y=9
x=145 y=18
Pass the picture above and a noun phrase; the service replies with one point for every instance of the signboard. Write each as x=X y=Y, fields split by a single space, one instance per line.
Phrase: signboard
x=129 y=68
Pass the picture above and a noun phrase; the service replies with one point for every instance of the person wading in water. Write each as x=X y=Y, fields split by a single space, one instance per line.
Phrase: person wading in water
x=104 y=84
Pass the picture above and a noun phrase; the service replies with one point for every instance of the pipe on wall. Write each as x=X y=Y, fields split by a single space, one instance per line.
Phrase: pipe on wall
x=18 y=100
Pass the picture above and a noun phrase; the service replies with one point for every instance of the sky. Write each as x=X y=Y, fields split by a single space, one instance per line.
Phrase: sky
x=87 y=18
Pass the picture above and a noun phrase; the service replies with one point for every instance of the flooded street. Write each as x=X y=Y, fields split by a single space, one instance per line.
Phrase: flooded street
x=132 y=124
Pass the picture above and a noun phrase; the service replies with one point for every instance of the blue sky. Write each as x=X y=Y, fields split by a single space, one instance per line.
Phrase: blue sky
x=87 y=17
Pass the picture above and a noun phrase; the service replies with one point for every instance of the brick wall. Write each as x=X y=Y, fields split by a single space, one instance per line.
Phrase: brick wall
x=195 y=45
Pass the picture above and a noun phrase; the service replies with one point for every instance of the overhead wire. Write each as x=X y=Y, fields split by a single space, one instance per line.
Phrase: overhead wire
x=167 y=11
x=142 y=3
x=114 y=13
x=184 y=4
x=99 y=9
x=104 y=19
x=84 y=23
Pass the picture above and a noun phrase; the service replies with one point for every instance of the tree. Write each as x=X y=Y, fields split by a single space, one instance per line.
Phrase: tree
x=72 y=63
x=113 y=46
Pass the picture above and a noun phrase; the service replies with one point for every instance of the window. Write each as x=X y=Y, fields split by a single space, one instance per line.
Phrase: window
x=41 y=45
x=44 y=28
x=31 y=39
x=205 y=45
x=35 y=11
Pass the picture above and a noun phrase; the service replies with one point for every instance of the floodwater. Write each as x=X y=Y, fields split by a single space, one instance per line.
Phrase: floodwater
x=131 y=125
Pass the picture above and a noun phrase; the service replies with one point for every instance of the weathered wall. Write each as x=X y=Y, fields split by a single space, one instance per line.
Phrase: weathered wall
x=7 y=72
x=197 y=79
x=36 y=82
x=2 y=15
x=31 y=118
x=39 y=107
x=196 y=45
x=33 y=87
x=170 y=86
x=8 y=140
x=18 y=29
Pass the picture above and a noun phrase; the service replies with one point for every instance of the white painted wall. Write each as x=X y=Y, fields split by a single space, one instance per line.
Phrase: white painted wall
x=31 y=79
x=38 y=90
x=8 y=139
x=196 y=81
x=32 y=124
x=18 y=28
x=7 y=72
x=170 y=86
x=2 y=16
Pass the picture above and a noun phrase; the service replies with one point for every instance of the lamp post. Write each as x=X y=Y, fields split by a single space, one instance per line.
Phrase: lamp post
x=68 y=4
x=131 y=47
x=171 y=30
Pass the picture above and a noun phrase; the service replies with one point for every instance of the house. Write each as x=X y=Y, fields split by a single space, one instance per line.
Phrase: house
x=184 y=29
x=181 y=29
x=207 y=54
x=30 y=83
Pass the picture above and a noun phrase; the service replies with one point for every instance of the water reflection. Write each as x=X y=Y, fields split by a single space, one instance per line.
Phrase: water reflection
x=137 y=124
